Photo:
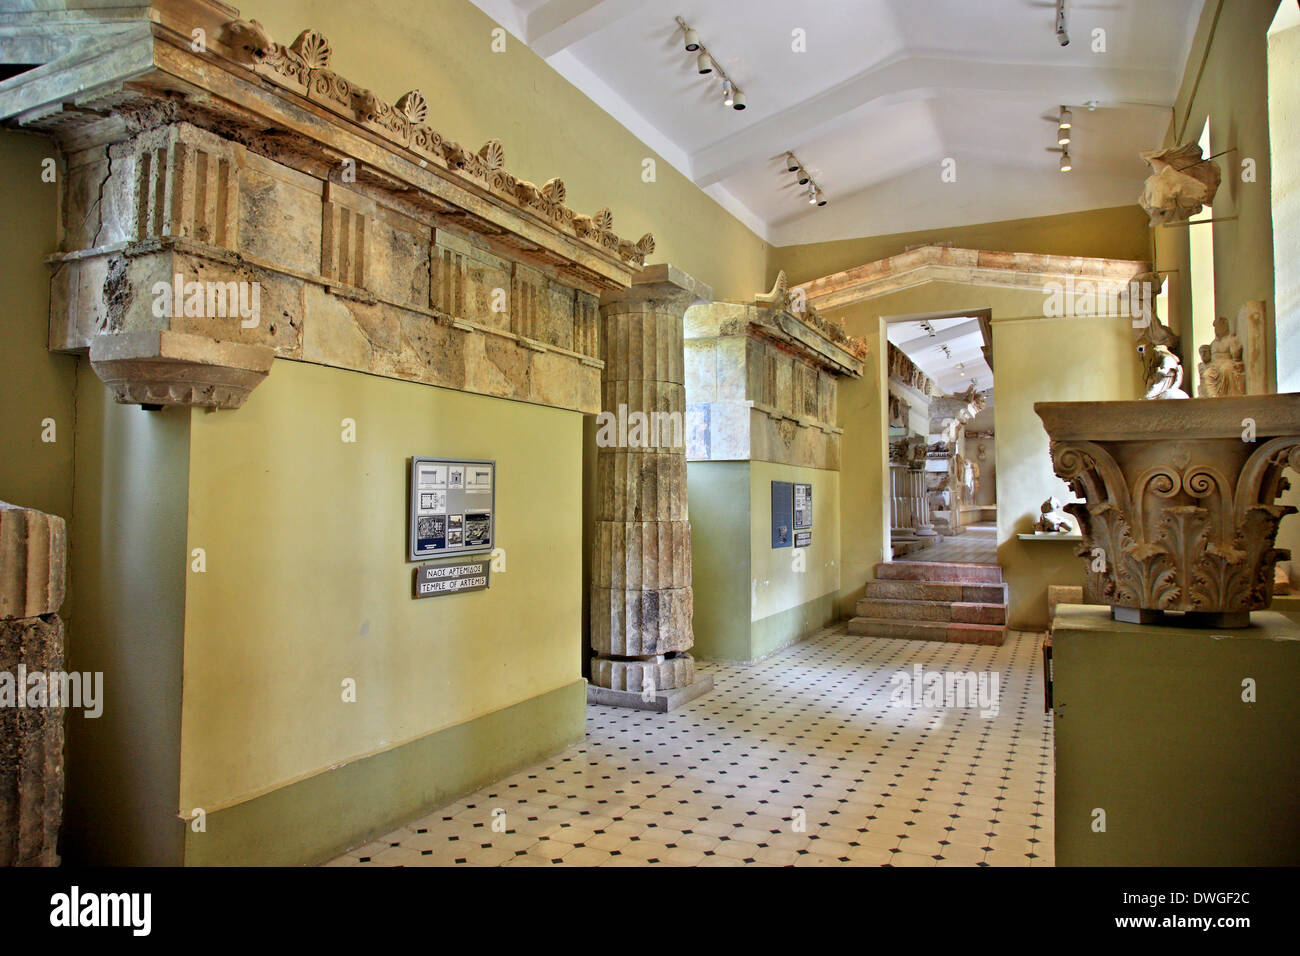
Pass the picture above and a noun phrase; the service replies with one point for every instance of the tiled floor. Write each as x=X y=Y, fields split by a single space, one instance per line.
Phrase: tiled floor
x=978 y=544
x=801 y=760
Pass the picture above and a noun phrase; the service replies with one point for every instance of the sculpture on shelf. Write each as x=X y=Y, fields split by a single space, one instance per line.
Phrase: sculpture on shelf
x=1222 y=370
x=1180 y=184
x=1053 y=519
x=1180 y=513
x=1169 y=376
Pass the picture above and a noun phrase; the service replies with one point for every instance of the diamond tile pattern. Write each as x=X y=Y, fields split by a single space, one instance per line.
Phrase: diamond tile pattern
x=806 y=759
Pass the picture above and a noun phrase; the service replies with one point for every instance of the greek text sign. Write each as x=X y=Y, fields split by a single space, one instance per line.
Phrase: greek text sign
x=435 y=580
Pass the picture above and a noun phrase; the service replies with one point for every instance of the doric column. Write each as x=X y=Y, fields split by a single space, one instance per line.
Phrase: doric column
x=641 y=582
x=33 y=552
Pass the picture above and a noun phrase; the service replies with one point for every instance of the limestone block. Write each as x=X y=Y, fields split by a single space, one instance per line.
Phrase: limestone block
x=698 y=447
x=732 y=375
x=641 y=623
x=642 y=555
x=331 y=335
x=657 y=674
x=552 y=381
x=644 y=396
x=701 y=369
x=279 y=215
x=31 y=749
x=642 y=346
x=33 y=550
x=176 y=368
x=640 y=487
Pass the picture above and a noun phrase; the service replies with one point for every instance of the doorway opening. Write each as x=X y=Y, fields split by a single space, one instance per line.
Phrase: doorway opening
x=942 y=444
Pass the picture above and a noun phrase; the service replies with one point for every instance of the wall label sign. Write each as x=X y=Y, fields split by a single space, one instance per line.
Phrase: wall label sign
x=435 y=580
x=782 y=515
x=802 y=539
x=452 y=508
x=802 y=506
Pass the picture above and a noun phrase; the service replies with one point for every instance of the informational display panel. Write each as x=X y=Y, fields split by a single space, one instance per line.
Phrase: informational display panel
x=453 y=507
x=802 y=539
x=802 y=505
x=782 y=514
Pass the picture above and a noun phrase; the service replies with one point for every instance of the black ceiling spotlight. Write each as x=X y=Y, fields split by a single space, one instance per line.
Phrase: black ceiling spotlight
x=1062 y=34
x=815 y=195
x=705 y=63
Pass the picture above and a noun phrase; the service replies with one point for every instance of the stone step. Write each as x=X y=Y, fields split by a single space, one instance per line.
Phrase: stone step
x=959 y=612
x=948 y=631
x=938 y=591
x=931 y=571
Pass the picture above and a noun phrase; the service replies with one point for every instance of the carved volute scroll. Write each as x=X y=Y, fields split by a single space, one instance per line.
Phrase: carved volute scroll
x=1180 y=510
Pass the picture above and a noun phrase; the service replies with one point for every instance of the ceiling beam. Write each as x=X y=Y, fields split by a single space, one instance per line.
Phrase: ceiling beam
x=942 y=338
x=921 y=77
x=558 y=24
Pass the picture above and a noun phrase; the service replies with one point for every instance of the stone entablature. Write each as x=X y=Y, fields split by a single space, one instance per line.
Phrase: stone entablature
x=373 y=242
x=1010 y=270
x=761 y=385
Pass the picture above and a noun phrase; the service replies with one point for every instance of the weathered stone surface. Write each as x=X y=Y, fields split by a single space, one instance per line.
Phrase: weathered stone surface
x=644 y=676
x=761 y=386
x=1181 y=508
x=633 y=623
x=33 y=550
x=31 y=749
x=641 y=553
x=177 y=368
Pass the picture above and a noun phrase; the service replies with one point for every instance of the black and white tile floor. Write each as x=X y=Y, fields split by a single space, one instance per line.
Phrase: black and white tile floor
x=805 y=759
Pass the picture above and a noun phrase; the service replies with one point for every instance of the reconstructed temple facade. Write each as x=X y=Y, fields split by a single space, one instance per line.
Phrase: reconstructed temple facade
x=240 y=202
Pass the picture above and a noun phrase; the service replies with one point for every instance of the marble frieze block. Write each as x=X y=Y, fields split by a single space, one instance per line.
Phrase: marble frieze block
x=248 y=194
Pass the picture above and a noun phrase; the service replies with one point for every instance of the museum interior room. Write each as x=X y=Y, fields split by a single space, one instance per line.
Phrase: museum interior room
x=703 y=307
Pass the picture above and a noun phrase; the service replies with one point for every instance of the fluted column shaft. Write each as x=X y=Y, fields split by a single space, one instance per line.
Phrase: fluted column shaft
x=641 y=582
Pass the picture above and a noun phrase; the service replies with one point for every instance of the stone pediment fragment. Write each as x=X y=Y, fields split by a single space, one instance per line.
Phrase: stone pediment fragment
x=1182 y=182
x=178 y=368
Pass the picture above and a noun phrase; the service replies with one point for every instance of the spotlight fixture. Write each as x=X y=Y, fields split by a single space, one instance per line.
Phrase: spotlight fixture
x=815 y=195
x=706 y=63
x=1067 y=118
x=1066 y=165
x=927 y=328
x=1062 y=34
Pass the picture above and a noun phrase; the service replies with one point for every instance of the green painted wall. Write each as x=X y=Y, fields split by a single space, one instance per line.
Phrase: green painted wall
x=1209 y=783
x=718 y=498
x=126 y=606
x=307 y=581
x=34 y=384
x=1116 y=233
x=792 y=592
x=547 y=126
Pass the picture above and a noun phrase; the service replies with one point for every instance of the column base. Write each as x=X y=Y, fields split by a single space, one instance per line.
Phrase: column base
x=661 y=702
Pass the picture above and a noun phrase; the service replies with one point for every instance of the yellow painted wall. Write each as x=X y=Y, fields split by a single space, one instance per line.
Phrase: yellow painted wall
x=1098 y=363
x=547 y=126
x=126 y=611
x=35 y=385
x=307 y=581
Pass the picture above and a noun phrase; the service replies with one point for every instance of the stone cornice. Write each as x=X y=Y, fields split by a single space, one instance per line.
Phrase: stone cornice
x=780 y=326
x=1008 y=270
x=114 y=75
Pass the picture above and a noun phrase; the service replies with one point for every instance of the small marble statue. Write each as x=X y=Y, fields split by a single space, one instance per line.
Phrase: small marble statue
x=1222 y=370
x=1053 y=520
x=1169 y=376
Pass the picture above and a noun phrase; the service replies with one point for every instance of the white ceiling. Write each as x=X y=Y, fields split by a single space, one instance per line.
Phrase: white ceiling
x=955 y=370
x=885 y=92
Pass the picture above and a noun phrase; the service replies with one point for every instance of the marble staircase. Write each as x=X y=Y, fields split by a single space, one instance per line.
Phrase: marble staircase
x=960 y=603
